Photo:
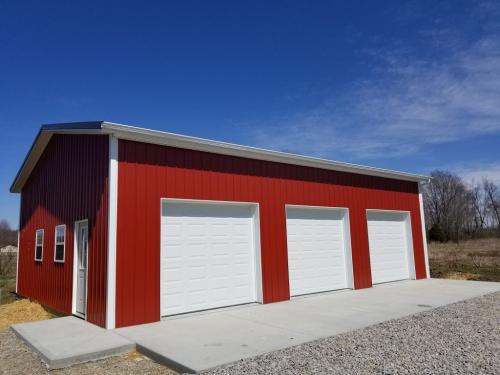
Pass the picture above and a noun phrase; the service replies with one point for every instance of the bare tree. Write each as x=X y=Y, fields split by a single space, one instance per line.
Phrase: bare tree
x=461 y=210
x=478 y=215
x=492 y=195
x=447 y=203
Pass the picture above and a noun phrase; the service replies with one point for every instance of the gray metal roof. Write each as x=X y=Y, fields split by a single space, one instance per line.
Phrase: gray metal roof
x=170 y=139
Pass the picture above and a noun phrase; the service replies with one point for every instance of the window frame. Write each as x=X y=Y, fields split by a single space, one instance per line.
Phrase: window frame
x=63 y=226
x=42 y=231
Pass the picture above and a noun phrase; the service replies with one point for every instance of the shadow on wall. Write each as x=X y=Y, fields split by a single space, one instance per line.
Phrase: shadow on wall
x=69 y=183
x=204 y=161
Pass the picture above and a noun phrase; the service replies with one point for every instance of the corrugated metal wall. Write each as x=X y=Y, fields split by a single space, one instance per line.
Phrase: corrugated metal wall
x=150 y=172
x=69 y=183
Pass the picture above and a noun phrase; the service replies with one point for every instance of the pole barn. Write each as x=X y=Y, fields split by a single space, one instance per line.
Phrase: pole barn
x=121 y=225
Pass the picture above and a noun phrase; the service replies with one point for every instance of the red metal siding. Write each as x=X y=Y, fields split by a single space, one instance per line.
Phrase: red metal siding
x=69 y=183
x=149 y=172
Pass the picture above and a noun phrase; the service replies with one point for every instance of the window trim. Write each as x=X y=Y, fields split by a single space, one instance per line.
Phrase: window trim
x=36 y=243
x=60 y=243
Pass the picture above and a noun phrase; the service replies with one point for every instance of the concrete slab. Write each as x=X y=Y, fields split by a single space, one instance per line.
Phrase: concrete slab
x=63 y=342
x=195 y=342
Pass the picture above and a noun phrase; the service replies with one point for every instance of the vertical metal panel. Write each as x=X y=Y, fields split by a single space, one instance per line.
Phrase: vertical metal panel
x=149 y=172
x=69 y=183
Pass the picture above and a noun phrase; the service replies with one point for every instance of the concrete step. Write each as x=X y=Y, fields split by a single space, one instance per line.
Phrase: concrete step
x=62 y=342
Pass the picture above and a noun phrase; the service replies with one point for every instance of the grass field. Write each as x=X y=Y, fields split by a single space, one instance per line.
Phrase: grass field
x=468 y=260
x=7 y=287
x=8 y=263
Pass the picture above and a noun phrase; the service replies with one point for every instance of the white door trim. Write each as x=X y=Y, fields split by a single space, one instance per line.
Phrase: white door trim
x=112 y=232
x=424 y=232
x=256 y=259
x=76 y=229
x=409 y=241
x=347 y=238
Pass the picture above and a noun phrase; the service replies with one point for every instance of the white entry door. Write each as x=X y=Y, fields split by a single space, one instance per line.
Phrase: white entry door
x=82 y=255
x=391 y=247
x=319 y=257
x=209 y=255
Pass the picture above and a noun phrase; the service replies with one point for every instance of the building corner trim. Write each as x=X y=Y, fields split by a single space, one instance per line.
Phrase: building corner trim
x=424 y=236
x=112 y=230
x=17 y=261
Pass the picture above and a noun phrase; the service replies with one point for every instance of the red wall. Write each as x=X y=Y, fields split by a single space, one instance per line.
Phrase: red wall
x=69 y=183
x=149 y=172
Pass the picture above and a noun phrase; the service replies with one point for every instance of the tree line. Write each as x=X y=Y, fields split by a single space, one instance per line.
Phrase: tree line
x=456 y=210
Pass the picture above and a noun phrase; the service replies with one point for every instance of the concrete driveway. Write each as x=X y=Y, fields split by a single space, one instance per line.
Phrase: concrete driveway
x=194 y=342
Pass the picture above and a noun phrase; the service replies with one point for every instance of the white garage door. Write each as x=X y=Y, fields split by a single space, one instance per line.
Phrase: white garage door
x=208 y=256
x=390 y=246
x=318 y=249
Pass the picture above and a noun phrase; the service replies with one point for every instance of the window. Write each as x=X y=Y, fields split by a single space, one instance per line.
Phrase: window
x=39 y=245
x=60 y=241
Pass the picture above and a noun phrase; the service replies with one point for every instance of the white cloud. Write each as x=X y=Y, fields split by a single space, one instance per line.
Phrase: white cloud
x=412 y=102
x=476 y=174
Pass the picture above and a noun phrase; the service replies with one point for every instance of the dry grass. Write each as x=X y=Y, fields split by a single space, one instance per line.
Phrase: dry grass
x=134 y=356
x=8 y=262
x=468 y=260
x=21 y=311
x=7 y=289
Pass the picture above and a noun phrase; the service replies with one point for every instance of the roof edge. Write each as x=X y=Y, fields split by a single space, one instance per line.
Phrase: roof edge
x=201 y=144
x=182 y=141
x=82 y=125
x=40 y=142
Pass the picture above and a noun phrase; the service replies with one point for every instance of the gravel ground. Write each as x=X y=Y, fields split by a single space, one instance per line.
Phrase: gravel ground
x=463 y=338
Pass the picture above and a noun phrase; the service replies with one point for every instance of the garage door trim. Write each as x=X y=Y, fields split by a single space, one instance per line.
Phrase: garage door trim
x=347 y=239
x=256 y=259
x=409 y=241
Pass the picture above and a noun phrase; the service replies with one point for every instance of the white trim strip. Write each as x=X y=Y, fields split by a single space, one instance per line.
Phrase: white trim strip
x=424 y=232
x=112 y=229
x=18 y=255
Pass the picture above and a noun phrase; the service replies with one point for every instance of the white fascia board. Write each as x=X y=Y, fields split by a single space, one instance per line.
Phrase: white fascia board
x=181 y=141
x=112 y=231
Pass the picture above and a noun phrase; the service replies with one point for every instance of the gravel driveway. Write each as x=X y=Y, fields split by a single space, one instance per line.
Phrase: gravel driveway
x=463 y=338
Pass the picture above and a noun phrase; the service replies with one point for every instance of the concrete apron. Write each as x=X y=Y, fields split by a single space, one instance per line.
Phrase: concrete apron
x=62 y=342
x=195 y=342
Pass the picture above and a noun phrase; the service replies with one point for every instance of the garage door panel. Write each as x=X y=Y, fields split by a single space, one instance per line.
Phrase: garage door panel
x=389 y=238
x=316 y=250
x=208 y=256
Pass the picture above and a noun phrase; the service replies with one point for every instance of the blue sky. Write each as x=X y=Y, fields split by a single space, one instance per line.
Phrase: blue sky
x=407 y=85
